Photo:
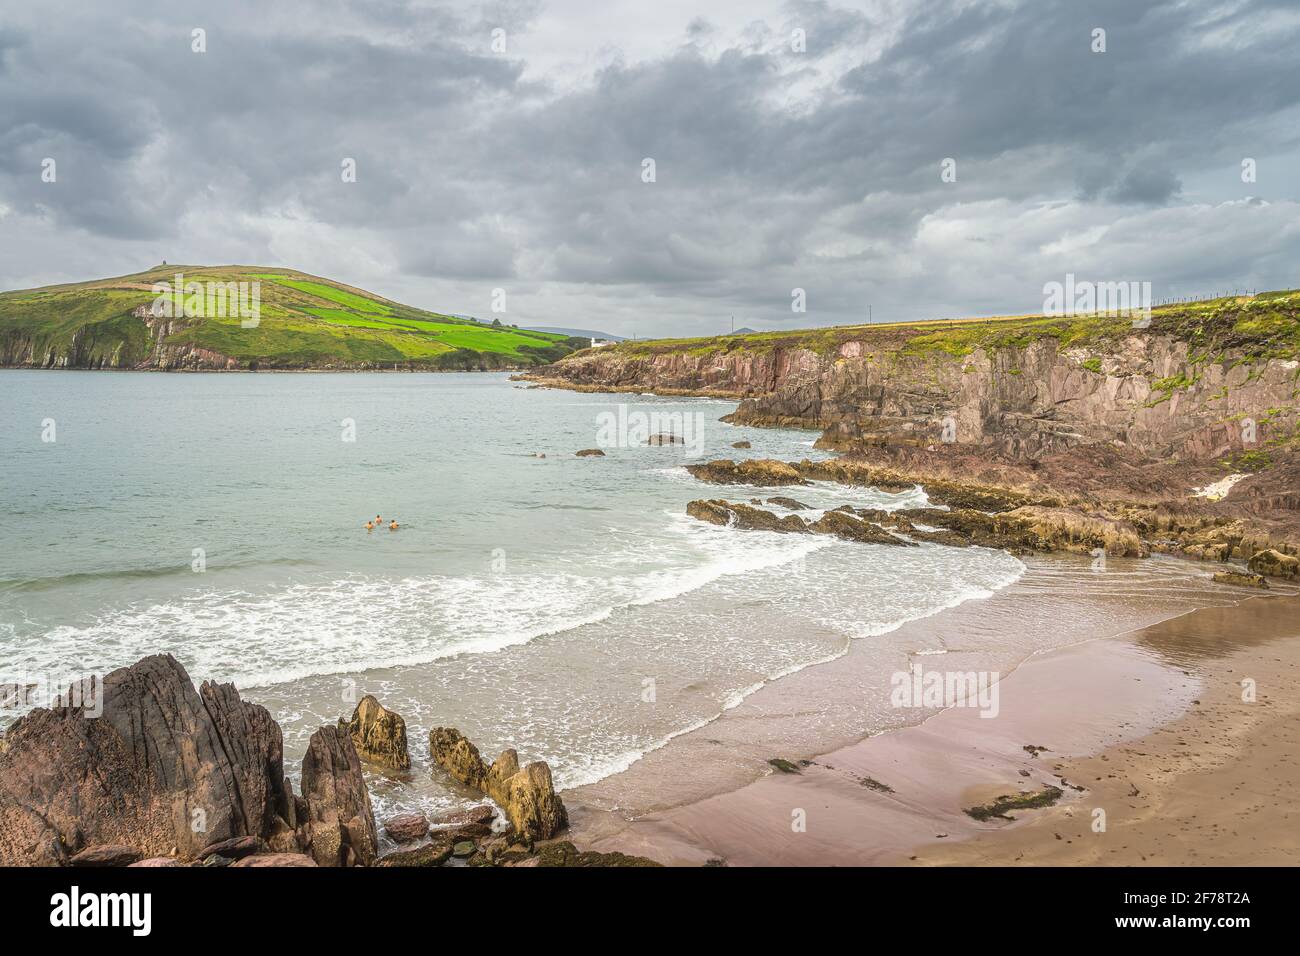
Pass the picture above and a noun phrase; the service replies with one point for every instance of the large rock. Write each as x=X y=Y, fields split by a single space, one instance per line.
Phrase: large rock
x=1066 y=529
x=340 y=821
x=841 y=524
x=481 y=815
x=378 y=734
x=1237 y=579
x=763 y=472
x=1274 y=564
x=407 y=827
x=166 y=770
x=460 y=758
x=744 y=517
x=526 y=795
x=435 y=853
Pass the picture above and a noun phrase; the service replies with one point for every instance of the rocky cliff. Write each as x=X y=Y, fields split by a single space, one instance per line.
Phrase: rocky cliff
x=1097 y=409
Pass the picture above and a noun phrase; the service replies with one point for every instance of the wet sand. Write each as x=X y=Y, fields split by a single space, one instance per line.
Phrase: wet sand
x=1149 y=727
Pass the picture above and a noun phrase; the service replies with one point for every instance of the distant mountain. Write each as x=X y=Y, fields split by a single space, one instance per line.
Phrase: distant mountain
x=745 y=331
x=248 y=317
x=579 y=333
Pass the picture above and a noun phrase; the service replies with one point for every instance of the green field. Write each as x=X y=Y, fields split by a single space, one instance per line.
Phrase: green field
x=304 y=322
x=1266 y=325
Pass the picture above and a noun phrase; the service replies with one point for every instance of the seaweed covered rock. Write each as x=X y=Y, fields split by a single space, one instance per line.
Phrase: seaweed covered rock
x=1237 y=579
x=1067 y=529
x=1274 y=564
x=844 y=525
x=757 y=471
x=744 y=517
x=378 y=734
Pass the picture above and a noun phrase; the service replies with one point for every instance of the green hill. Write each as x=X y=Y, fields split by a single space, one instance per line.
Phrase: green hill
x=302 y=321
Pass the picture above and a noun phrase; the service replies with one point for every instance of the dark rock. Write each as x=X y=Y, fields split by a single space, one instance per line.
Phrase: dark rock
x=108 y=855
x=741 y=444
x=744 y=517
x=463 y=849
x=590 y=453
x=235 y=848
x=166 y=768
x=564 y=853
x=665 y=439
x=851 y=528
x=340 y=822
x=758 y=471
x=431 y=854
x=407 y=827
x=275 y=859
x=790 y=503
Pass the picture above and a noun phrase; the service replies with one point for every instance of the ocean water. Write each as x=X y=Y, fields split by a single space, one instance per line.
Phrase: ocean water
x=564 y=606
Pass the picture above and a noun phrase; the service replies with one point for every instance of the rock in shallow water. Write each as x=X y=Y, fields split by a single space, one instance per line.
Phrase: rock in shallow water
x=1241 y=580
x=378 y=734
x=527 y=796
x=407 y=827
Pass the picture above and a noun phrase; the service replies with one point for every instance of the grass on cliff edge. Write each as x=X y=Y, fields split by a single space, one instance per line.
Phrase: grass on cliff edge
x=305 y=321
x=1266 y=325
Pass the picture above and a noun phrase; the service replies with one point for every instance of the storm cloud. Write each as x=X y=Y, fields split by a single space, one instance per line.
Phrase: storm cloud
x=795 y=145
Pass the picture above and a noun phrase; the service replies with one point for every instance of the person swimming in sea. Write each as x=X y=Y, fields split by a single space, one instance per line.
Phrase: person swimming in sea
x=392 y=525
x=370 y=526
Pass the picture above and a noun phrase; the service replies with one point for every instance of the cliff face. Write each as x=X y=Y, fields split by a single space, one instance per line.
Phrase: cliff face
x=134 y=341
x=1147 y=393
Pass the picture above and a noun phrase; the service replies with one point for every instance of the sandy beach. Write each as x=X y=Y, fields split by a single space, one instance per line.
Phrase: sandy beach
x=1142 y=742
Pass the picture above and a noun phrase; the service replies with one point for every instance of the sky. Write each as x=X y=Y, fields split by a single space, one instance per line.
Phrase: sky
x=892 y=159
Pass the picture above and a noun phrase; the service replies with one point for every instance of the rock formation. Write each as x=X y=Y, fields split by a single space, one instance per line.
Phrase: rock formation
x=340 y=822
x=526 y=795
x=169 y=772
x=1090 y=413
x=378 y=734
x=407 y=827
x=166 y=770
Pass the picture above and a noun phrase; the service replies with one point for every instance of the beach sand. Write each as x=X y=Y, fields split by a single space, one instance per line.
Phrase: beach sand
x=1149 y=727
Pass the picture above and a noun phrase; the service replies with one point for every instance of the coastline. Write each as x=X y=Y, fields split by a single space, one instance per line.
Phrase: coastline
x=1114 y=712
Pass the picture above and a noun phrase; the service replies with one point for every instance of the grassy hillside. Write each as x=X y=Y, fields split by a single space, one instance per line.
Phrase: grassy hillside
x=1266 y=325
x=305 y=322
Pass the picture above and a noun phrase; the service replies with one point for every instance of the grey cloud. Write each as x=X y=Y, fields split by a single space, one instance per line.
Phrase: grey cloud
x=774 y=169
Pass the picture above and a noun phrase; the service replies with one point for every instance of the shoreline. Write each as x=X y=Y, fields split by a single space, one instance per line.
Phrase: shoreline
x=897 y=797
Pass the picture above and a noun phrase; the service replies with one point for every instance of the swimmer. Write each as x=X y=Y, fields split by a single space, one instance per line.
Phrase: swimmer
x=370 y=526
x=392 y=526
x=378 y=521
